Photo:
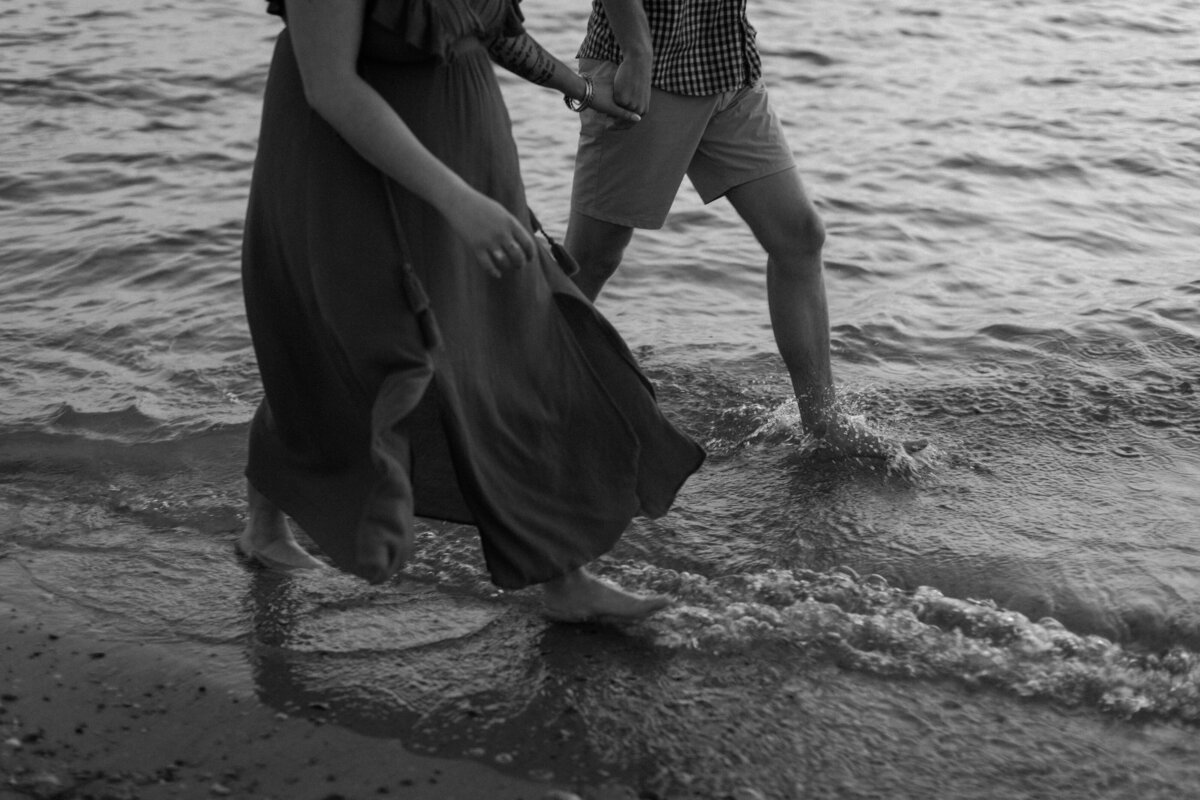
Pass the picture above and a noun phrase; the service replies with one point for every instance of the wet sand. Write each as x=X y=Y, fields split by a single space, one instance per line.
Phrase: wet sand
x=84 y=715
x=88 y=717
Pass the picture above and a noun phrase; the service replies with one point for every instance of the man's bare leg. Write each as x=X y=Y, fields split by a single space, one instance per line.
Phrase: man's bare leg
x=268 y=539
x=580 y=596
x=597 y=246
x=786 y=224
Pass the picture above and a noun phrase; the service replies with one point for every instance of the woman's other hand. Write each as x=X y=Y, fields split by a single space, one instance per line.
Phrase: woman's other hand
x=498 y=239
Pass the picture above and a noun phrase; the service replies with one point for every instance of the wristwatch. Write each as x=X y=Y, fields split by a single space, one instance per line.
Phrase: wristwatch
x=589 y=90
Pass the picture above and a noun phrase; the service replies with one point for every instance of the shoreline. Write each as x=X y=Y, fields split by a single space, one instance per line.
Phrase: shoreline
x=90 y=713
x=85 y=716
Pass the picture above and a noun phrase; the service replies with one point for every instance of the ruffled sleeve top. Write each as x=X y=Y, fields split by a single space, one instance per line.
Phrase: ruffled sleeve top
x=407 y=29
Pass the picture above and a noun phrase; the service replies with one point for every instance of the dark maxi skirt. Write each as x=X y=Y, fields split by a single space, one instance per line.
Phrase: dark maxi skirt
x=523 y=413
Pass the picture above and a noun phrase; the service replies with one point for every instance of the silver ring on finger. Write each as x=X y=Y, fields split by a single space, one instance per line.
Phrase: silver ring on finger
x=499 y=254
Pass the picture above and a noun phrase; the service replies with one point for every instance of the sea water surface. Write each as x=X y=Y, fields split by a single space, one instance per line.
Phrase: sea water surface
x=1010 y=190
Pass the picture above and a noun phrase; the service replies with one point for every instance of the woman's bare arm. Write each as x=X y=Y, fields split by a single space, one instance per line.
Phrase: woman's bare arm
x=326 y=36
x=523 y=56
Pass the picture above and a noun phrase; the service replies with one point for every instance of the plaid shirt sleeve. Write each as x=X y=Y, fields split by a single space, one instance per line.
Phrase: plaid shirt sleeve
x=700 y=46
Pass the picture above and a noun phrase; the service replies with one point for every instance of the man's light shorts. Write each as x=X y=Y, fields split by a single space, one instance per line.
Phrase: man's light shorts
x=630 y=175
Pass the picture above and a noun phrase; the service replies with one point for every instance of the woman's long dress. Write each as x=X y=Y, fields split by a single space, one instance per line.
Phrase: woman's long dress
x=515 y=408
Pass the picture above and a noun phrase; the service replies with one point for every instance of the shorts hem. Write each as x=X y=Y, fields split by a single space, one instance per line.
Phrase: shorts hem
x=642 y=223
x=765 y=172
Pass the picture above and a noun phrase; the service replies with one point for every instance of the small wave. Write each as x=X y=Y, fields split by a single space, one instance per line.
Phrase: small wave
x=125 y=424
x=866 y=624
x=1164 y=24
x=1191 y=288
x=1140 y=166
x=798 y=54
x=99 y=14
x=1053 y=167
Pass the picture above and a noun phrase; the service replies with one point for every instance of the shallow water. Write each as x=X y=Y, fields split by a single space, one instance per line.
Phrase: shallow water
x=1009 y=191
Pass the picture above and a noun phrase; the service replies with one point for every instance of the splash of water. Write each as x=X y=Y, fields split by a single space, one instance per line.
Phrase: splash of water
x=781 y=426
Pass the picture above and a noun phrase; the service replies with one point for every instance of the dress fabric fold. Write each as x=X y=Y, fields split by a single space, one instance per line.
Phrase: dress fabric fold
x=525 y=415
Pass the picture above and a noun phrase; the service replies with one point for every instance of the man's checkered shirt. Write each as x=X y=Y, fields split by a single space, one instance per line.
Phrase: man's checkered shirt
x=700 y=46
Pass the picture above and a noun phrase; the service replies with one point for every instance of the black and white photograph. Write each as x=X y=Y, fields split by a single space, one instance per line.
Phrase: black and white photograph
x=599 y=400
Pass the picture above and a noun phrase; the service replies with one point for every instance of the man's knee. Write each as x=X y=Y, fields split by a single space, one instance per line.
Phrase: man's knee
x=782 y=217
x=597 y=245
x=599 y=259
x=810 y=232
x=801 y=235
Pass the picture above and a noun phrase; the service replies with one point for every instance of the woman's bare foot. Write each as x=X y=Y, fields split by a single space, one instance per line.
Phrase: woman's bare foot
x=580 y=596
x=268 y=540
x=844 y=437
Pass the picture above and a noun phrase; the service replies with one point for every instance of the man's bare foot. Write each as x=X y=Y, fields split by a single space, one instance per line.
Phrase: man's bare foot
x=844 y=437
x=268 y=540
x=580 y=596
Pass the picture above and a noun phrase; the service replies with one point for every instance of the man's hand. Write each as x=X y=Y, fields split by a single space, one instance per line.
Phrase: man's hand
x=602 y=101
x=631 y=85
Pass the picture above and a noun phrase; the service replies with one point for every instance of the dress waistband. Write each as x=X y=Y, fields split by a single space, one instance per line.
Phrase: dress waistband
x=381 y=44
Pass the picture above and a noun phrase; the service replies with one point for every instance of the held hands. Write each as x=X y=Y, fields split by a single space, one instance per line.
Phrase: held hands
x=628 y=97
x=498 y=239
x=631 y=84
x=602 y=101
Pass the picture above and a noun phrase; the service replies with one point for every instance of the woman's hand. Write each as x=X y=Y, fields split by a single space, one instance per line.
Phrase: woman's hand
x=523 y=56
x=499 y=241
